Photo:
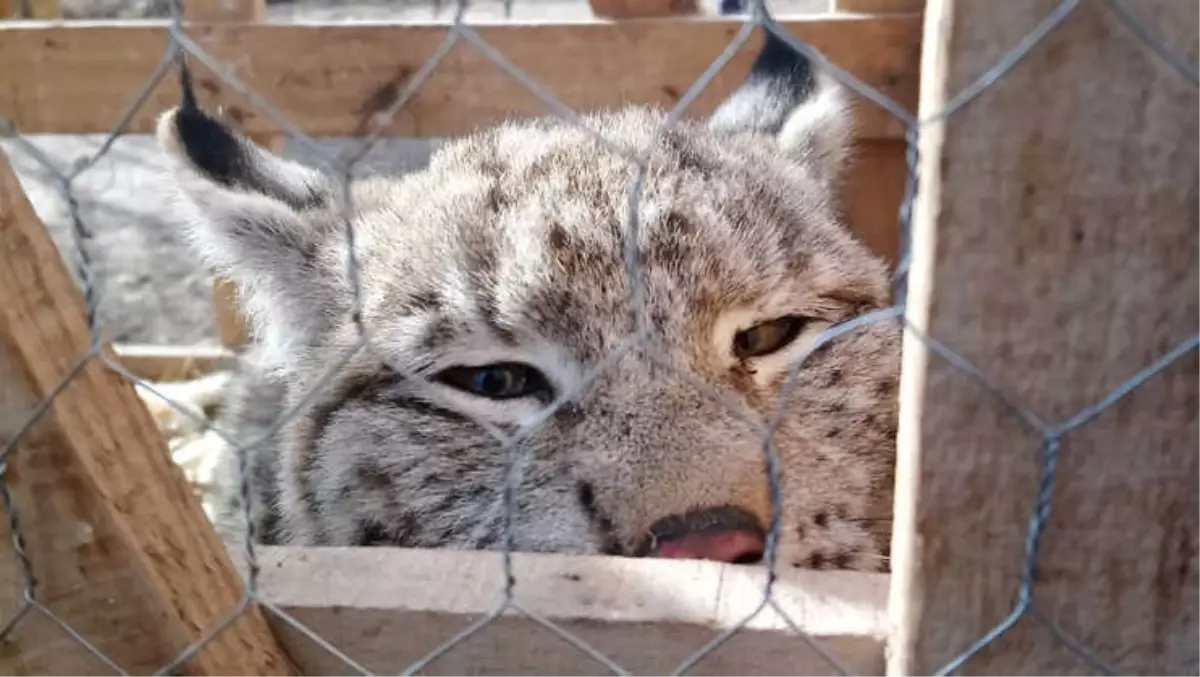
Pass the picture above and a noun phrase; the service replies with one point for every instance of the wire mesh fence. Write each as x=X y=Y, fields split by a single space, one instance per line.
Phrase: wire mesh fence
x=461 y=35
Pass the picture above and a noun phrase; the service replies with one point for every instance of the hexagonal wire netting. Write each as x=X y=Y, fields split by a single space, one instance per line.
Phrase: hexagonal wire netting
x=461 y=34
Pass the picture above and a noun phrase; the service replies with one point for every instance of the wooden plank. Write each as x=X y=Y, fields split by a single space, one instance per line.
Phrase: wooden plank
x=388 y=607
x=120 y=548
x=873 y=191
x=173 y=363
x=876 y=6
x=640 y=9
x=1055 y=248
x=330 y=80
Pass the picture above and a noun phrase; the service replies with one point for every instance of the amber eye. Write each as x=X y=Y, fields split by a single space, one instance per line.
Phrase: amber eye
x=768 y=337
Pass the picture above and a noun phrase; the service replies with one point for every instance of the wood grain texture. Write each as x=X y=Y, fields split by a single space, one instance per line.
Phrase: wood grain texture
x=120 y=547
x=388 y=607
x=330 y=80
x=1056 y=249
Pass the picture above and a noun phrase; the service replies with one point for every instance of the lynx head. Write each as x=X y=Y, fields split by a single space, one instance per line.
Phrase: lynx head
x=496 y=295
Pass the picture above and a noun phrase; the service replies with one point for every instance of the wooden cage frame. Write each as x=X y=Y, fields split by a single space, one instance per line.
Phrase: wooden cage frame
x=121 y=550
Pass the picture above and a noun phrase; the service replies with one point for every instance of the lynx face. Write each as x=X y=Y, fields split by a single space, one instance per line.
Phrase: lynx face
x=495 y=284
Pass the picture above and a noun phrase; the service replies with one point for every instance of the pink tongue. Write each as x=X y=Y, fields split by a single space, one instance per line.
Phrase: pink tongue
x=722 y=546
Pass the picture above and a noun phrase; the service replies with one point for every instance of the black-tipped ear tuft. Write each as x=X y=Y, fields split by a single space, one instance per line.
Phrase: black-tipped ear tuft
x=783 y=68
x=256 y=218
x=187 y=91
x=780 y=80
x=215 y=149
x=212 y=148
x=226 y=158
x=788 y=97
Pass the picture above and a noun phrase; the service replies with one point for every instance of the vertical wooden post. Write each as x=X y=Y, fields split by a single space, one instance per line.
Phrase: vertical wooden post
x=119 y=546
x=1055 y=248
x=231 y=323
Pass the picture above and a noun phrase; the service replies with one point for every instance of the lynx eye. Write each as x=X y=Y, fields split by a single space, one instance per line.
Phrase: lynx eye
x=500 y=381
x=768 y=337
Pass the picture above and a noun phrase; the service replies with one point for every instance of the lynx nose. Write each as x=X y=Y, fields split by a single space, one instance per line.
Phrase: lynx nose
x=722 y=534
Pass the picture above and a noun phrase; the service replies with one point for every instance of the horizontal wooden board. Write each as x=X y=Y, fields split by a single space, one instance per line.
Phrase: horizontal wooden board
x=387 y=607
x=329 y=80
x=172 y=363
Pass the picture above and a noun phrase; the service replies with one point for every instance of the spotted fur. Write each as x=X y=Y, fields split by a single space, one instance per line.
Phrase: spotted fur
x=511 y=247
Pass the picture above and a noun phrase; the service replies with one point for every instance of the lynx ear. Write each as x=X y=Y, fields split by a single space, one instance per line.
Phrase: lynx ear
x=784 y=96
x=258 y=219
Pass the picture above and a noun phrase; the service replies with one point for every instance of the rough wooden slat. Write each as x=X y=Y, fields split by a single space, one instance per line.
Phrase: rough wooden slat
x=331 y=79
x=1056 y=248
x=388 y=607
x=172 y=363
x=120 y=548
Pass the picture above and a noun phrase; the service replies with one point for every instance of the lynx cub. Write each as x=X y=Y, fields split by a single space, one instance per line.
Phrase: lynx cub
x=495 y=281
